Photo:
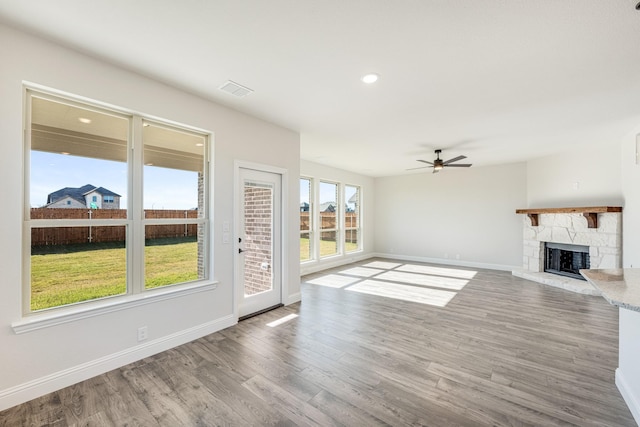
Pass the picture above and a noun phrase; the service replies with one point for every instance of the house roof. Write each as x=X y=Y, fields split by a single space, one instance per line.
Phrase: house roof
x=328 y=207
x=103 y=191
x=78 y=193
x=498 y=81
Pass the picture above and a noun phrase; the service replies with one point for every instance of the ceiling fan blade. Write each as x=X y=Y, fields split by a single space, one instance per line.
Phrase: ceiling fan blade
x=424 y=161
x=460 y=165
x=421 y=167
x=455 y=159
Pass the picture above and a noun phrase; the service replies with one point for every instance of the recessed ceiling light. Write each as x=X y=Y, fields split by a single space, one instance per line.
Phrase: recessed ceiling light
x=370 y=78
x=199 y=144
x=65 y=153
x=84 y=120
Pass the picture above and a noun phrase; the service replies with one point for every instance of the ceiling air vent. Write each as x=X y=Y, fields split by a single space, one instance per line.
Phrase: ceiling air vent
x=235 y=89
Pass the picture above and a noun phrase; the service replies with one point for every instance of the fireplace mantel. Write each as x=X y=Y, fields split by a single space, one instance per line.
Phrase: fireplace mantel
x=602 y=233
x=590 y=213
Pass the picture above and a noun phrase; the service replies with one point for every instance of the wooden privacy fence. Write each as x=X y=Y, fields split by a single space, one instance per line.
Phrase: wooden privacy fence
x=98 y=234
x=328 y=220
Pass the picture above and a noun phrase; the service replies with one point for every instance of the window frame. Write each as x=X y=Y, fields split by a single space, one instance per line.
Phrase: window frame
x=134 y=224
x=358 y=228
x=312 y=221
x=338 y=222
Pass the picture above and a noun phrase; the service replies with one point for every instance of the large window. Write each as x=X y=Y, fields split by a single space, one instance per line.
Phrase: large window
x=115 y=204
x=306 y=220
x=173 y=204
x=351 y=218
x=330 y=219
x=329 y=223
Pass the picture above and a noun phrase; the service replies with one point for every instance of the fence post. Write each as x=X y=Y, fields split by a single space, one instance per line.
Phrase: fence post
x=90 y=237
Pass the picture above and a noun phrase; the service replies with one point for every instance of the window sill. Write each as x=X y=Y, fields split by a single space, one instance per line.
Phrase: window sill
x=80 y=311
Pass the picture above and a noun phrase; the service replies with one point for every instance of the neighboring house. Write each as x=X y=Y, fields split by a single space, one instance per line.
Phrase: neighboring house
x=304 y=207
x=87 y=196
x=328 y=207
x=352 y=203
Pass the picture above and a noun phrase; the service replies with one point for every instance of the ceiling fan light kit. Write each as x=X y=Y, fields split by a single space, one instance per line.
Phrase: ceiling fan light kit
x=439 y=164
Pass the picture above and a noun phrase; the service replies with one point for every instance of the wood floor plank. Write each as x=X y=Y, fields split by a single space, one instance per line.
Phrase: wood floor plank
x=238 y=398
x=544 y=405
x=343 y=411
x=502 y=352
x=295 y=409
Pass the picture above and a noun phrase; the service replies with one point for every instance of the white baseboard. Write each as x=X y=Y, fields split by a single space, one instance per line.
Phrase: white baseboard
x=294 y=298
x=447 y=261
x=324 y=264
x=30 y=390
x=630 y=399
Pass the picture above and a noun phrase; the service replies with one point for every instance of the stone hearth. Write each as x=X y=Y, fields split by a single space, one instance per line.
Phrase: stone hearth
x=599 y=228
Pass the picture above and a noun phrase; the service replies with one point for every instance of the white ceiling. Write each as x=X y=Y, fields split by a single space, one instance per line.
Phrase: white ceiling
x=497 y=80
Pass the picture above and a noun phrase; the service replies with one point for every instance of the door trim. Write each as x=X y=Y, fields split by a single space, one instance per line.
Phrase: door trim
x=284 y=220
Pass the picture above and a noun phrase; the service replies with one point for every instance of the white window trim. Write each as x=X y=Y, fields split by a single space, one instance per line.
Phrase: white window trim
x=136 y=294
x=312 y=252
x=84 y=310
x=359 y=227
x=339 y=221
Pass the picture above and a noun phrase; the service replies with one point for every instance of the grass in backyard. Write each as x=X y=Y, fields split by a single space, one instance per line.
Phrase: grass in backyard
x=327 y=247
x=166 y=263
x=62 y=275
x=67 y=274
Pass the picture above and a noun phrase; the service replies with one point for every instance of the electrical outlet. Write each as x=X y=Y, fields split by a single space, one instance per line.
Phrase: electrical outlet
x=143 y=333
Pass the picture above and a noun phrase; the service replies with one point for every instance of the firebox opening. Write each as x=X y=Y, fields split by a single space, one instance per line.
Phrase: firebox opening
x=566 y=260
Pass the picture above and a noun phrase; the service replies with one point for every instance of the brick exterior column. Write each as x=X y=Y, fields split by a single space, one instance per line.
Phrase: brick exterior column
x=258 y=245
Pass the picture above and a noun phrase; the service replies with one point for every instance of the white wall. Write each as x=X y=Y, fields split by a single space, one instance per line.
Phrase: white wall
x=366 y=184
x=628 y=372
x=631 y=191
x=607 y=175
x=551 y=181
x=43 y=360
x=457 y=216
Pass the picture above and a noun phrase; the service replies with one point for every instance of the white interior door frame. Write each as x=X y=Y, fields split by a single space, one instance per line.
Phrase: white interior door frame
x=284 y=220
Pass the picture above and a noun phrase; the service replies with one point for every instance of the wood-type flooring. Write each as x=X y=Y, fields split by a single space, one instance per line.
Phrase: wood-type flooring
x=480 y=348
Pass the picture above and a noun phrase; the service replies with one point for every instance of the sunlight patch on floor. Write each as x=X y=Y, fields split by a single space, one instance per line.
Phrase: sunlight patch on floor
x=360 y=271
x=423 y=280
x=438 y=271
x=333 y=281
x=382 y=264
x=282 y=320
x=410 y=293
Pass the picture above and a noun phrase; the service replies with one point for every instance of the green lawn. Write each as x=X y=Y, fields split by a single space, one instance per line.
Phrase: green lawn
x=327 y=247
x=169 y=263
x=62 y=275
x=68 y=274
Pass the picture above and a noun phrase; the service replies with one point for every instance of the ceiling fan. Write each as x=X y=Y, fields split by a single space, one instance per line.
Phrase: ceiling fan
x=438 y=163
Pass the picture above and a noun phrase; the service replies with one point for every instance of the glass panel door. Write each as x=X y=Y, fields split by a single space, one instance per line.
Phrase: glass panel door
x=259 y=241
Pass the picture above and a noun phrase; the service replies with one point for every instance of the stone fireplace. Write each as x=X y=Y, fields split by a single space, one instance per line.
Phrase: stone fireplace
x=596 y=231
x=566 y=260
